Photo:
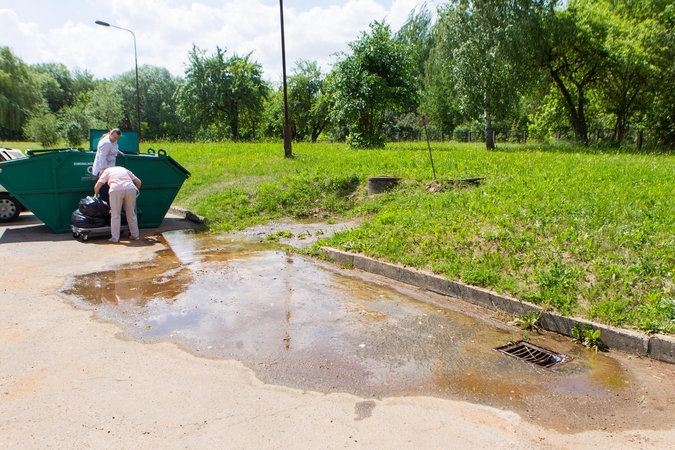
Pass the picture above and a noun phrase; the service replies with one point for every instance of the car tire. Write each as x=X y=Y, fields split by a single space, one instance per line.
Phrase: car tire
x=10 y=208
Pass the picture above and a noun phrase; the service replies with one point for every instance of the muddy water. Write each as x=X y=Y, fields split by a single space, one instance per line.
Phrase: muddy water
x=300 y=323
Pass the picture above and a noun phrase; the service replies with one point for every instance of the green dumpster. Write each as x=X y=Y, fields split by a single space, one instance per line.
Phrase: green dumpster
x=51 y=183
x=127 y=143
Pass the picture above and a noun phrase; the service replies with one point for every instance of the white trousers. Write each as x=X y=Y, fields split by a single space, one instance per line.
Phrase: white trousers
x=128 y=197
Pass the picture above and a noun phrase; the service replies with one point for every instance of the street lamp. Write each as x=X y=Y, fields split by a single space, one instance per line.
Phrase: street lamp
x=138 y=97
x=288 y=151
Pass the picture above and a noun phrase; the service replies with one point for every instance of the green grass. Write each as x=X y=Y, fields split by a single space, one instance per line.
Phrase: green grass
x=585 y=234
x=577 y=231
x=23 y=145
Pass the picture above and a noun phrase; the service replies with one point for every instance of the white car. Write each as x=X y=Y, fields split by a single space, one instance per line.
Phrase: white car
x=10 y=208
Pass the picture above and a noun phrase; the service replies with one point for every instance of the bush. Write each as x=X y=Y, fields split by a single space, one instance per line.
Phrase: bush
x=363 y=140
x=43 y=127
x=75 y=125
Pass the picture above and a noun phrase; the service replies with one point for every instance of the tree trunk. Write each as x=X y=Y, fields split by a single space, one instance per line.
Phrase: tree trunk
x=234 y=123
x=234 y=128
x=316 y=131
x=489 y=135
x=619 y=127
x=576 y=113
x=581 y=127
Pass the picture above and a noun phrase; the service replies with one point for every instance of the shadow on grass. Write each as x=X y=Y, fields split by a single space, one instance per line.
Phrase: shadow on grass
x=603 y=148
x=596 y=149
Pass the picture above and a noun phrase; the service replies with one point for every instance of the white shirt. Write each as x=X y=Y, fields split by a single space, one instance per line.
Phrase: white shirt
x=106 y=154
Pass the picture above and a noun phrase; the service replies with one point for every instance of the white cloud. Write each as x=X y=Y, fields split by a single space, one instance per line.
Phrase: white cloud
x=166 y=30
x=24 y=38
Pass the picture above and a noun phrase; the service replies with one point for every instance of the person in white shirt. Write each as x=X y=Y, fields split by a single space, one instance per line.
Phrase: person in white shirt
x=124 y=186
x=107 y=151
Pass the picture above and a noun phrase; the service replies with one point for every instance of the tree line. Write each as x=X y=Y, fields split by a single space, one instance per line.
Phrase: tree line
x=492 y=68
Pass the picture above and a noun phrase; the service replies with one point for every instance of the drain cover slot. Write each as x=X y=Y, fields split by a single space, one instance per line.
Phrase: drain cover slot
x=533 y=354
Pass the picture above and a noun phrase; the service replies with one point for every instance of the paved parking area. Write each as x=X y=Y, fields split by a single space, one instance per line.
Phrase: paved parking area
x=69 y=381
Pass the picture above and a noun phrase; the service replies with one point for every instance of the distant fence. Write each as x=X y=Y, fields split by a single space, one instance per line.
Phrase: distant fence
x=638 y=138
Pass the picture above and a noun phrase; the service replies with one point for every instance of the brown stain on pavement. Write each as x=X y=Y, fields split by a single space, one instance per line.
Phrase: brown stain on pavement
x=25 y=386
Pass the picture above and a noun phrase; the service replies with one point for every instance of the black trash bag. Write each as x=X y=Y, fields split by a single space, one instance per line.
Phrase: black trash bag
x=94 y=207
x=104 y=193
x=84 y=221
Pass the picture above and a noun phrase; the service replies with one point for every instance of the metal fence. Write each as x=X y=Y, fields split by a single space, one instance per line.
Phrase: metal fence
x=637 y=138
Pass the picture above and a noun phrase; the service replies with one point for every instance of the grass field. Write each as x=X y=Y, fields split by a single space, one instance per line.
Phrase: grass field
x=577 y=231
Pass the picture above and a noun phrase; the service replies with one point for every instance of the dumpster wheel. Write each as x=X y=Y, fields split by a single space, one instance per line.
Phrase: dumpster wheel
x=81 y=236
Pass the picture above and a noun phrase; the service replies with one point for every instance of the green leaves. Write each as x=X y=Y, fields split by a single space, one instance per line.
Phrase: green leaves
x=587 y=336
x=484 y=55
x=376 y=77
x=43 y=126
x=221 y=91
x=18 y=94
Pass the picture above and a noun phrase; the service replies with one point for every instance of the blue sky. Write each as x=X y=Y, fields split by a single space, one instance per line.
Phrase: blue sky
x=64 y=30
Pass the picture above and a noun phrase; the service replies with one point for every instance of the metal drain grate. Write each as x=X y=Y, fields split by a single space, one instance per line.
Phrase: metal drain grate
x=533 y=354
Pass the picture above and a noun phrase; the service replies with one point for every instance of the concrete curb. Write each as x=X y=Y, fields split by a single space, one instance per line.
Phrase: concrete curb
x=187 y=214
x=657 y=347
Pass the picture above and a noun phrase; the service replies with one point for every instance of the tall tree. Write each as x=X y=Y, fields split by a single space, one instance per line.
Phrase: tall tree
x=157 y=89
x=416 y=32
x=56 y=84
x=486 y=48
x=378 y=75
x=573 y=54
x=18 y=94
x=248 y=93
x=628 y=90
x=202 y=100
x=307 y=101
x=83 y=83
x=104 y=106
x=661 y=115
x=220 y=91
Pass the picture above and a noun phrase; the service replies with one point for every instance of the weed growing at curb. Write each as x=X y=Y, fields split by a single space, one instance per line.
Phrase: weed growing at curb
x=529 y=321
x=587 y=336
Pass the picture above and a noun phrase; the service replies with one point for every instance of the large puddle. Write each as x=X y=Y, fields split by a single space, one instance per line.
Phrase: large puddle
x=309 y=325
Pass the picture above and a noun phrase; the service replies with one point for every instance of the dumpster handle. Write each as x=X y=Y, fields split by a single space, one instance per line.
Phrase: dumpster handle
x=34 y=152
x=161 y=152
x=151 y=151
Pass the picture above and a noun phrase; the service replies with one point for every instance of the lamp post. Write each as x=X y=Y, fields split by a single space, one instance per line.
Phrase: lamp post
x=138 y=97
x=288 y=150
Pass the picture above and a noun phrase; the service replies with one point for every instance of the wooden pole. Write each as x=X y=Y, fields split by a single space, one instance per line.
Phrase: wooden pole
x=288 y=149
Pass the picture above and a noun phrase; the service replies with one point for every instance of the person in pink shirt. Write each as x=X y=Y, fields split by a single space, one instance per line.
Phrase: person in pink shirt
x=124 y=186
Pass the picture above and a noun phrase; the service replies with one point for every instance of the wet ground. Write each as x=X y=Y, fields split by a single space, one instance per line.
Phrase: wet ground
x=302 y=323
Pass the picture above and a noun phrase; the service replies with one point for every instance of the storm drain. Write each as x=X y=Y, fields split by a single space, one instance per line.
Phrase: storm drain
x=533 y=354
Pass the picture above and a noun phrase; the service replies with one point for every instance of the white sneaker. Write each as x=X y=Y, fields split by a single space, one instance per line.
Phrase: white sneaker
x=134 y=238
x=114 y=241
